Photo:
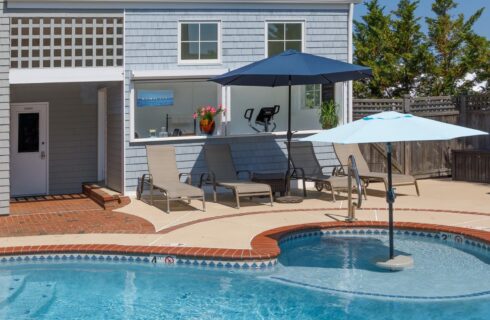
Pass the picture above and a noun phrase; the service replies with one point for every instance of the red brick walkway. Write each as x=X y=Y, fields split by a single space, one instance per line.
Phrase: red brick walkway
x=71 y=216
x=59 y=204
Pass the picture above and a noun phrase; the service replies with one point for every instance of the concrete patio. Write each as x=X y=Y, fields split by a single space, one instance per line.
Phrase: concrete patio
x=442 y=202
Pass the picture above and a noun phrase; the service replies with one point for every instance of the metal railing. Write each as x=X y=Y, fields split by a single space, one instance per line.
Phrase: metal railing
x=353 y=173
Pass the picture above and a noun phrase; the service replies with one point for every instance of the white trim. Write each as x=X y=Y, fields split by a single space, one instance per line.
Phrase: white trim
x=199 y=61
x=101 y=134
x=64 y=75
x=266 y=33
x=47 y=144
x=191 y=138
x=349 y=111
x=176 y=73
x=194 y=4
x=131 y=113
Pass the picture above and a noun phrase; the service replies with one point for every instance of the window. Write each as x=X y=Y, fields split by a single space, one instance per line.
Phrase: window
x=199 y=42
x=284 y=36
x=28 y=132
x=313 y=96
x=165 y=108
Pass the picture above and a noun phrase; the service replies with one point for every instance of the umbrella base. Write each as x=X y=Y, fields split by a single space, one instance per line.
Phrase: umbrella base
x=398 y=263
x=289 y=199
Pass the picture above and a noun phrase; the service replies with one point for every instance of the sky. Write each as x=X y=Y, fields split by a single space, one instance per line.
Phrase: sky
x=467 y=7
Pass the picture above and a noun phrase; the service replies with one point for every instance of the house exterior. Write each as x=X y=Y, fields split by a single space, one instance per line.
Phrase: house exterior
x=86 y=85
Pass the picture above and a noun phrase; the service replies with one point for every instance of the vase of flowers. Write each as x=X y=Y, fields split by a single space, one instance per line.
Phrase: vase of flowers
x=206 y=115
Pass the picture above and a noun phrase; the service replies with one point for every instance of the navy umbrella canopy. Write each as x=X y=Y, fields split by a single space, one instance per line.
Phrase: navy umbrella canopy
x=292 y=68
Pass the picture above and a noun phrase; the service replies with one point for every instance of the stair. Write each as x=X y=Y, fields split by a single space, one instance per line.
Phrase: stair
x=10 y=287
x=104 y=197
x=33 y=299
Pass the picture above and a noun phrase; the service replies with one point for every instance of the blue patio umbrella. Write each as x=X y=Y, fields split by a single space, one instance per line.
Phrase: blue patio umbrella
x=391 y=127
x=292 y=68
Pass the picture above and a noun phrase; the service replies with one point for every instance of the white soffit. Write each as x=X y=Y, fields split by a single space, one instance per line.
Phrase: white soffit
x=176 y=73
x=64 y=75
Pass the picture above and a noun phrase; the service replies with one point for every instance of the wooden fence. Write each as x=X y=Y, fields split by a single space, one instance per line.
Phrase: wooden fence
x=427 y=159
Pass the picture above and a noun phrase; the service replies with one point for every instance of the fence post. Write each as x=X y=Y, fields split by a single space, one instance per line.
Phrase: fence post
x=407 y=147
x=463 y=110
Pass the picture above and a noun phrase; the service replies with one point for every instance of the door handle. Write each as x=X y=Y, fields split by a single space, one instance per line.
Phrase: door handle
x=43 y=155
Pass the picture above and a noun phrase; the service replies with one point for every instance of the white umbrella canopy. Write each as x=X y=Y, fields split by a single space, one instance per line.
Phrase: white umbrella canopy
x=391 y=127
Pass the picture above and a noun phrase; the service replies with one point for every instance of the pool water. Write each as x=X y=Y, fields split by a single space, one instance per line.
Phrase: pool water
x=323 y=277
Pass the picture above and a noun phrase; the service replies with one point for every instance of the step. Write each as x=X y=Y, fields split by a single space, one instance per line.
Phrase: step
x=10 y=286
x=104 y=197
x=34 y=299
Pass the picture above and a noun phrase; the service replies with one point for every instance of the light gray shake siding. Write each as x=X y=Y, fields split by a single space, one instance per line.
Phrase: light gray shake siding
x=4 y=112
x=72 y=131
x=114 y=174
x=151 y=42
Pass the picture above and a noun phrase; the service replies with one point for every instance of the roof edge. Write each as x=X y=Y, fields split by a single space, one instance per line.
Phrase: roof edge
x=118 y=4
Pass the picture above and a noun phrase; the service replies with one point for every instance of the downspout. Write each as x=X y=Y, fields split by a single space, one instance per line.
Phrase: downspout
x=349 y=112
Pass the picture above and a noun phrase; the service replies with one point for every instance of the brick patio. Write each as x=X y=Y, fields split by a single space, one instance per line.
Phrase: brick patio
x=64 y=214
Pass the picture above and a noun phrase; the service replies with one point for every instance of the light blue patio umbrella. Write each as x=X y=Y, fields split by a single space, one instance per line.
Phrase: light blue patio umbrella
x=391 y=127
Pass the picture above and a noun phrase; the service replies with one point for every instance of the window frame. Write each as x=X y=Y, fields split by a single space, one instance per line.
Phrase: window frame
x=181 y=61
x=266 y=33
x=168 y=75
x=305 y=91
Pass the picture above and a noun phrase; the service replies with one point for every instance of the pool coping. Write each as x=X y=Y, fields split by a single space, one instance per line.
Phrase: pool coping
x=264 y=246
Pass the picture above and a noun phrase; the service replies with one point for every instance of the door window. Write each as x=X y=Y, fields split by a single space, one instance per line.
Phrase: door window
x=28 y=132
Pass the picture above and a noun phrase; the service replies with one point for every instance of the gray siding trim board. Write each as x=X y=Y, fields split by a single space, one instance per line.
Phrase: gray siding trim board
x=114 y=175
x=4 y=111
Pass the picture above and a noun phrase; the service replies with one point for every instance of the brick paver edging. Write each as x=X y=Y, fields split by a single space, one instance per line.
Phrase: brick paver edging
x=264 y=246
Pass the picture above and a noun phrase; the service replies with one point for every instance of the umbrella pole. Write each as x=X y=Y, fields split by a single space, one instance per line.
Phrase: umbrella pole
x=390 y=198
x=289 y=137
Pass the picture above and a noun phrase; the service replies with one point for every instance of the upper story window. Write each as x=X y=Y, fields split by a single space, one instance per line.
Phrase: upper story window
x=282 y=36
x=66 y=42
x=199 y=42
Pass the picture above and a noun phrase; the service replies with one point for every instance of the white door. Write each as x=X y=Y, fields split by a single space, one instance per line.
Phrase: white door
x=29 y=149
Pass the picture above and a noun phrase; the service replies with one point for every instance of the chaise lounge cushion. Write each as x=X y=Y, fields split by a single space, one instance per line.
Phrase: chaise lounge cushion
x=180 y=189
x=398 y=179
x=246 y=187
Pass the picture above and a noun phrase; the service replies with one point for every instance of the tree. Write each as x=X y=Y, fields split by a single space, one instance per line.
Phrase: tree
x=412 y=56
x=373 y=39
x=461 y=56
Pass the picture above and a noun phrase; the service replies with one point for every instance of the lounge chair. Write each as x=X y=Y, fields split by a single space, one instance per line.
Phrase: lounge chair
x=164 y=176
x=343 y=151
x=307 y=168
x=222 y=173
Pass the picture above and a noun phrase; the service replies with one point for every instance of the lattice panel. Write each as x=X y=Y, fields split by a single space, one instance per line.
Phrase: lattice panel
x=66 y=42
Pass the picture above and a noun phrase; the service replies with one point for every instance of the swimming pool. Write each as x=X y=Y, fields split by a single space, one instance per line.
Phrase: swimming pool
x=319 y=276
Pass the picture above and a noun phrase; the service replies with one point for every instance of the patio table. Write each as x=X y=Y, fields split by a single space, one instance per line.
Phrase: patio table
x=277 y=181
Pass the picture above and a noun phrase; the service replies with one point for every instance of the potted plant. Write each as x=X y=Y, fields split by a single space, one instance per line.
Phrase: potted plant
x=206 y=118
x=328 y=114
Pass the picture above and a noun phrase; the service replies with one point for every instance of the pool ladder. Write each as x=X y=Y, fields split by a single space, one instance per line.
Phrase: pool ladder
x=353 y=173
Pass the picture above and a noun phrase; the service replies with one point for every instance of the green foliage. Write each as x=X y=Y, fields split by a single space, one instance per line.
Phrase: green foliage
x=406 y=61
x=457 y=50
x=328 y=114
x=413 y=59
x=373 y=39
